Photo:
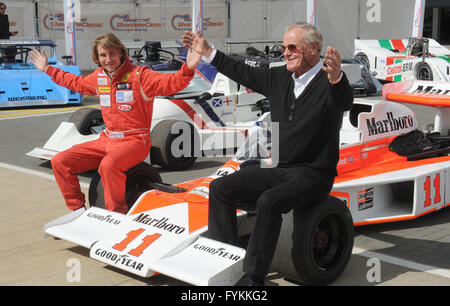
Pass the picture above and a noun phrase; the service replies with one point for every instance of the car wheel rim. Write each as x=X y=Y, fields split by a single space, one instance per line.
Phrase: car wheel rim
x=329 y=242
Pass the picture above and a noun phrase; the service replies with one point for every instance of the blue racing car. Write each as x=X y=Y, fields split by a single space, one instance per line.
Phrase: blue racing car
x=21 y=84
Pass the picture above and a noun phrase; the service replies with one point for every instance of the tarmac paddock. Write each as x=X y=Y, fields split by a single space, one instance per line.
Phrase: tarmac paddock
x=385 y=254
x=407 y=253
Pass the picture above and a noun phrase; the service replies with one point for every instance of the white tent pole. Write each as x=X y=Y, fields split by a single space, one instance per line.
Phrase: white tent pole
x=419 y=13
x=311 y=12
x=197 y=16
x=72 y=9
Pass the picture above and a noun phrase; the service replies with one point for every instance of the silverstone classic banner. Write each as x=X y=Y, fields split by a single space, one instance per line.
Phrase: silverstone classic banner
x=143 y=22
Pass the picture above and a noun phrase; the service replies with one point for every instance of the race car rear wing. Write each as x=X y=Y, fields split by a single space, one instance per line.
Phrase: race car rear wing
x=428 y=93
x=28 y=42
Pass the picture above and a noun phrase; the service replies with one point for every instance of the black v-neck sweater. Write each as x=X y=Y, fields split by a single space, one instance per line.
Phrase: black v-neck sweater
x=309 y=125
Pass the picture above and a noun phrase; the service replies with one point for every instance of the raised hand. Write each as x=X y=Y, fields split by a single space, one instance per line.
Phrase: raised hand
x=39 y=59
x=333 y=61
x=196 y=42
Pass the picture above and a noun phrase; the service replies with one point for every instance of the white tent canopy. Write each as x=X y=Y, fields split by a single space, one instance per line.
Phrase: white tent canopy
x=233 y=20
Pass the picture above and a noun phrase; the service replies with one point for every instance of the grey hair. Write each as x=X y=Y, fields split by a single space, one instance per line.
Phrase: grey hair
x=312 y=34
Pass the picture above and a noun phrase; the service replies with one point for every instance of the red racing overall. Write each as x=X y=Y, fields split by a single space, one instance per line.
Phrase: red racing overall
x=126 y=101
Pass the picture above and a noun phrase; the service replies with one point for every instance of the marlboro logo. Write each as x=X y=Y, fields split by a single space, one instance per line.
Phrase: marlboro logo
x=389 y=124
x=162 y=223
x=431 y=90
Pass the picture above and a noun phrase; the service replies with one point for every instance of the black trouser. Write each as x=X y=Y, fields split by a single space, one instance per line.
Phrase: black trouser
x=272 y=191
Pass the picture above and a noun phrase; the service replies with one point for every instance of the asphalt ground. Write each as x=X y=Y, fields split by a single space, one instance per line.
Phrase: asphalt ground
x=408 y=253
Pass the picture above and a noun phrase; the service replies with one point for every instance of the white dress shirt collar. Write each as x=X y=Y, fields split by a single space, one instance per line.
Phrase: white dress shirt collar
x=302 y=81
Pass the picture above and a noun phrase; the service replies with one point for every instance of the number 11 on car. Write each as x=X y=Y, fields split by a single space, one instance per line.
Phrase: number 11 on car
x=131 y=236
x=433 y=190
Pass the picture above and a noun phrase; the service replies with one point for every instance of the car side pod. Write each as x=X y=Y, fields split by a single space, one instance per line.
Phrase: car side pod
x=320 y=238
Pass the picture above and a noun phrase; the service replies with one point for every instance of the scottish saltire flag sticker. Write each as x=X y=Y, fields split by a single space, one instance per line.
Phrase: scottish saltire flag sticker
x=217 y=102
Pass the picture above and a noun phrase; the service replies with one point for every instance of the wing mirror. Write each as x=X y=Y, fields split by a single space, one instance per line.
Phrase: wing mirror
x=203 y=97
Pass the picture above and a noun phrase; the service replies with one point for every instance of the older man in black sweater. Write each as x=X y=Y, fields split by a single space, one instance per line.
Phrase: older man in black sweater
x=307 y=98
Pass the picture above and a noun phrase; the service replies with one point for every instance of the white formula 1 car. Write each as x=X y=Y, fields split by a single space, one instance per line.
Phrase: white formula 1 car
x=404 y=59
x=215 y=117
x=388 y=171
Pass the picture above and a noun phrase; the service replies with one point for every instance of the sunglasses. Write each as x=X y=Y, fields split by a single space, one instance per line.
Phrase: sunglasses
x=291 y=48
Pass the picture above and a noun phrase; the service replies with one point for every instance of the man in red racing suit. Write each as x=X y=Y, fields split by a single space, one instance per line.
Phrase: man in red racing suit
x=126 y=93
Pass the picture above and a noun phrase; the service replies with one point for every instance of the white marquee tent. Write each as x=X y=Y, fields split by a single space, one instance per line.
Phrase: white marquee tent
x=233 y=20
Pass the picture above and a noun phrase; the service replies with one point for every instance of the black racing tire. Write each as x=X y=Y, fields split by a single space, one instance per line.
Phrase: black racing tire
x=85 y=119
x=162 y=139
x=363 y=59
x=139 y=180
x=424 y=72
x=320 y=237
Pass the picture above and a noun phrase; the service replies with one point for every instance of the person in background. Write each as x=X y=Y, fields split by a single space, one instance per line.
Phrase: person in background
x=5 y=33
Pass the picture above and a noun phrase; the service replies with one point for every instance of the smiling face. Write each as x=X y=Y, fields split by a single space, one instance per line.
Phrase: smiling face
x=110 y=60
x=299 y=55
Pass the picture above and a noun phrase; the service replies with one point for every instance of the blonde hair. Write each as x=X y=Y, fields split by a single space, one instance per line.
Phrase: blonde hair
x=312 y=34
x=110 y=42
